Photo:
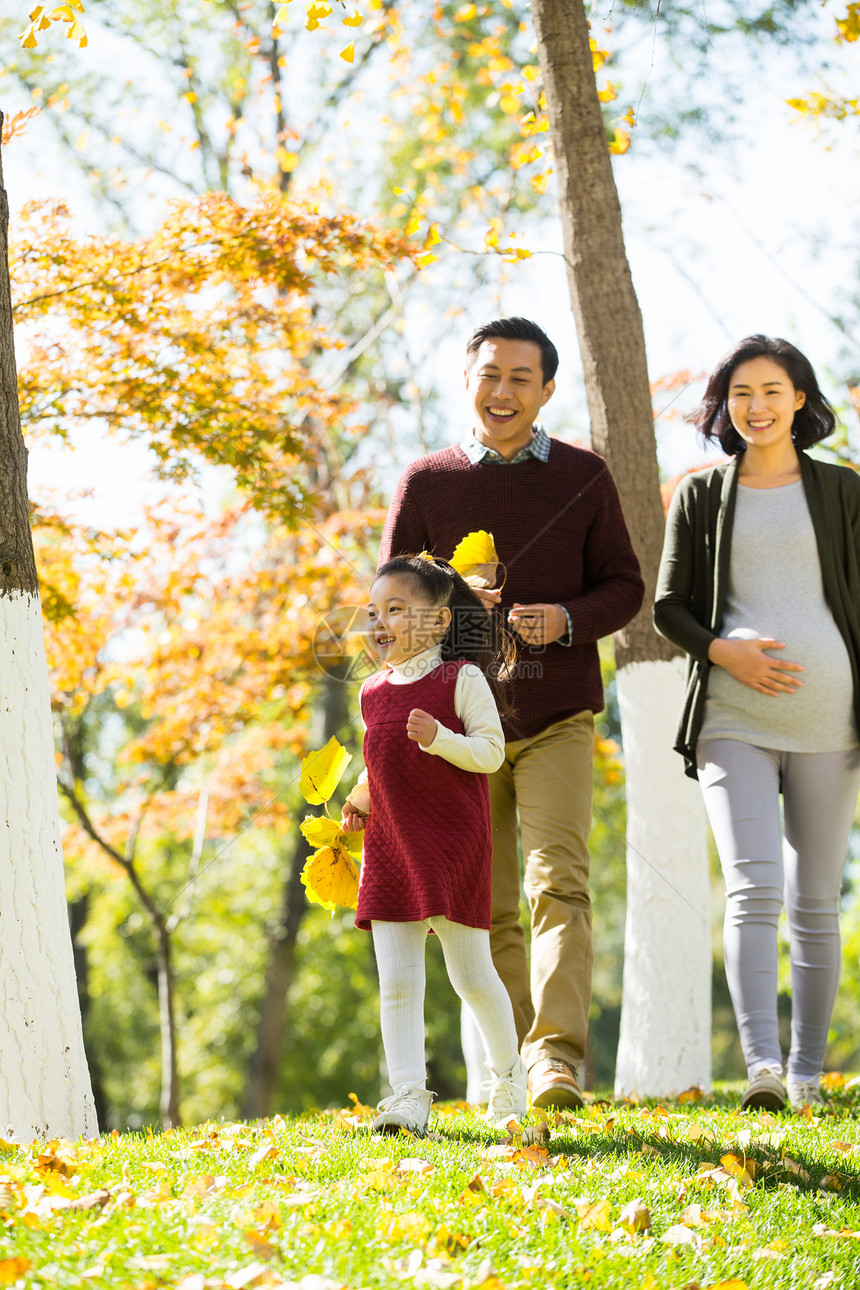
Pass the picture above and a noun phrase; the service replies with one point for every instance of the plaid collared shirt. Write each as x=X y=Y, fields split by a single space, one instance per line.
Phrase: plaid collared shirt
x=479 y=452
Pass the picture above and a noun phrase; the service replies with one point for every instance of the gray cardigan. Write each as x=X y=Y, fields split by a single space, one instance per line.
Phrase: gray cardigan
x=694 y=570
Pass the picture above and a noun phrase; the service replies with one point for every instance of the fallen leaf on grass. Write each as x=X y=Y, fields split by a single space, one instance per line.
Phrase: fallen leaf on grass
x=594 y=1214
x=550 y=1206
x=414 y=1165
x=500 y=1151
x=251 y=1275
x=12 y=1269
x=194 y=1281
x=796 y=1170
x=636 y=1216
x=740 y=1168
x=840 y=1234
x=266 y=1152
x=678 y=1234
x=268 y=1215
x=692 y=1094
x=701 y=1133
x=200 y=1186
x=92 y=1200
x=261 y=1246
x=767 y=1252
x=832 y=1182
x=844 y=1148
x=732 y=1284
x=58 y=1162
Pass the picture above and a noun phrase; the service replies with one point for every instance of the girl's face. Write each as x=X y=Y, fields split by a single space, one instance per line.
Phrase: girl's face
x=762 y=402
x=401 y=623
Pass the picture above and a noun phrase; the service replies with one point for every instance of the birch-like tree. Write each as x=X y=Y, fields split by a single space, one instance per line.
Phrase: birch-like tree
x=44 y=1082
x=666 y=1001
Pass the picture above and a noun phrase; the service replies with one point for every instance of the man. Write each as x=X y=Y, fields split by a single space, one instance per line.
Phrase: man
x=571 y=577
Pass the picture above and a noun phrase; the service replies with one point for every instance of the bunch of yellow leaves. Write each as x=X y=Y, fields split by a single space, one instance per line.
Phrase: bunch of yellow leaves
x=331 y=874
x=40 y=21
x=476 y=559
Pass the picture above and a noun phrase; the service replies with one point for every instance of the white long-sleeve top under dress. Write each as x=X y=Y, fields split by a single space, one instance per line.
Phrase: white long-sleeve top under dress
x=482 y=747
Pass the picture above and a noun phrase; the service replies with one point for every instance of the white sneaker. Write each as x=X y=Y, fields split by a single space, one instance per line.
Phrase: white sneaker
x=804 y=1092
x=765 y=1090
x=407 y=1108
x=508 y=1094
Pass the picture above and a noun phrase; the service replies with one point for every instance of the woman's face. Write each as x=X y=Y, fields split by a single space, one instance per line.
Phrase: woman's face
x=762 y=402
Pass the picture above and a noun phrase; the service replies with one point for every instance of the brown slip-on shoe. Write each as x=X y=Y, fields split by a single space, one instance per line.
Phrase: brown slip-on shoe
x=553 y=1083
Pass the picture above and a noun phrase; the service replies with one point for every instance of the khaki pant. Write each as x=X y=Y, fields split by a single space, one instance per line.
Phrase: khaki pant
x=547 y=780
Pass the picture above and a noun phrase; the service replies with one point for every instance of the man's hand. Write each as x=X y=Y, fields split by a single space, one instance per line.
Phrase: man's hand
x=538 y=624
x=488 y=596
x=421 y=727
x=747 y=662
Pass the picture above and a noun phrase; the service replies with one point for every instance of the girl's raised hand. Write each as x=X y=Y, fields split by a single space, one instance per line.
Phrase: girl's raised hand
x=421 y=727
x=747 y=662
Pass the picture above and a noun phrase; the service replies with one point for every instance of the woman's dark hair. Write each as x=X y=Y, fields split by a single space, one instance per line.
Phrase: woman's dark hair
x=812 y=423
x=474 y=634
x=516 y=329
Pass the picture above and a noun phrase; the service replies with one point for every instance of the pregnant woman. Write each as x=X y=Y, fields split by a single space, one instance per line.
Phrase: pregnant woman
x=760 y=585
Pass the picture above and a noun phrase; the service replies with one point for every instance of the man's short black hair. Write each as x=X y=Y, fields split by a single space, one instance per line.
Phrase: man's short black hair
x=516 y=329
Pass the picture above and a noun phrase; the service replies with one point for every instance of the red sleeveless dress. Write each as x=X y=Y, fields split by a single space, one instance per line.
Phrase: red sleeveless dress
x=428 y=840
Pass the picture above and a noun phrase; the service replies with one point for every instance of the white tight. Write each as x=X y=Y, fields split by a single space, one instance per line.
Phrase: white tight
x=400 y=958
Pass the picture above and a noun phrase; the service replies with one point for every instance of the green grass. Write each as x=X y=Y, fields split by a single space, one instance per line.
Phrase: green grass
x=768 y=1200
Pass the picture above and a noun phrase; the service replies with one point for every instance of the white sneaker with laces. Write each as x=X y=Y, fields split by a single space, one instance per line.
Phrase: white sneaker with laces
x=804 y=1092
x=407 y=1108
x=508 y=1094
x=765 y=1090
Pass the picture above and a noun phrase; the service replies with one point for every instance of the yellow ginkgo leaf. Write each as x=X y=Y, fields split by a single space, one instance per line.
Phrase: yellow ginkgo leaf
x=348 y=54
x=476 y=559
x=319 y=830
x=322 y=771
x=331 y=878
x=355 y=21
x=354 y=843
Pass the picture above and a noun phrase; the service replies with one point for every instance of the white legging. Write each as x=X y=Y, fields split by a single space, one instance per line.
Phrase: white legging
x=741 y=784
x=400 y=958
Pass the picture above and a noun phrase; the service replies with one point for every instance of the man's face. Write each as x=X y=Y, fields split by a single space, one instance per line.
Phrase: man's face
x=506 y=387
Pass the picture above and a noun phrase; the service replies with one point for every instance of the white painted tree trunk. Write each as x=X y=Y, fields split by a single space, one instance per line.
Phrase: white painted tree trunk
x=665 y=1041
x=44 y=1081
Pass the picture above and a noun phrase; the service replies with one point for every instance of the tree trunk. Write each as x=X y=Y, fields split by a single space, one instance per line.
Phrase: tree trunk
x=78 y=914
x=264 y=1066
x=665 y=1024
x=169 y=1103
x=44 y=1082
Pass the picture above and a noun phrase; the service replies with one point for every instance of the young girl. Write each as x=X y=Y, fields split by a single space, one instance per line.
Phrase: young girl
x=760 y=584
x=432 y=736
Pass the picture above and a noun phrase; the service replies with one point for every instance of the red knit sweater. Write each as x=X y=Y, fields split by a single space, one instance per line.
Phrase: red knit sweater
x=559 y=532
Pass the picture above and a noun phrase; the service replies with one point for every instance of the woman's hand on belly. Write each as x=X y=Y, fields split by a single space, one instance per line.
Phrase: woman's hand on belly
x=747 y=662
